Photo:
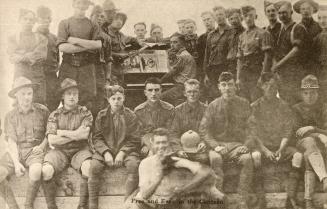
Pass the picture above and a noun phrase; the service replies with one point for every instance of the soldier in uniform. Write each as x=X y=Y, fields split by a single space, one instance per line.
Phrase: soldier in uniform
x=223 y=129
x=25 y=132
x=182 y=68
x=78 y=40
x=215 y=59
x=311 y=136
x=140 y=31
x=254 y=55
x=274 y=26
x=153 y=114
x=289 y=53
x=307 y=8
x=271 y=128
x=27 y=51
x=44 y=18
x=68 y=132
x=234 y=17
x=116 y=142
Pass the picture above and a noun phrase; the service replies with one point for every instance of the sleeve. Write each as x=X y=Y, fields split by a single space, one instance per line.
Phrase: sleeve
x=239 y=48
x=98 y=139
x=96 y=34
x=87 y=118
x=266 y=41
x=40 y=51
x=9 y=128
x=133 y=142
x=298 y=36
x=205 y=128
x=63 y=33
x=52 y=124
x=179 y=64
x=324 y=117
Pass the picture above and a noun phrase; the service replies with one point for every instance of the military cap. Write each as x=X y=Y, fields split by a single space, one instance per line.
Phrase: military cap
x=112 y=90
x=298 y=4
x=225 y=76
x=267 y=4
x=19 y=83
x=247 y=9
x=279 y=4
x=310 y=82
x=87 y=1
x=97 y=9
x=109 y=5
x=121 y=15
x=66 y=84
x=154 y=26
x=43 y=12
x=231 y=11
x=190 y=141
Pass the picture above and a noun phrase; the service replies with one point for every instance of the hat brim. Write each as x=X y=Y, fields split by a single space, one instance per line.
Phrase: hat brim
x=298 y=4
x=61 y=91
x=15 y=90
x=190 y=150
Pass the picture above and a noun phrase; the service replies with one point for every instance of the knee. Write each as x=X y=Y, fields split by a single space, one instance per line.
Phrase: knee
x=47 y=172
x=297 y=160
x=96 y=168
x=35 y=171
x=215 y=159
x=256 y=156
x=132 y=166
x=85 y=168
x=3 y=173
x=309 y=145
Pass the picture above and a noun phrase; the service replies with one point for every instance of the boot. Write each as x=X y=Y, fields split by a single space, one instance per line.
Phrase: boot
x=309 y=184
x=245 y=183
x=31 y=192
x=84 y=194
x=50 y=189
x=259 y=189
x=291 y=189
x=317 y=162
x=7 y=194
x=309 y=204
x=93 y=188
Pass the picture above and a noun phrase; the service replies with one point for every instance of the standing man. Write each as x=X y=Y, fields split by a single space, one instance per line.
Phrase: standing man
x=181 y=26
x=311 y=135
x=254 y=55
x=68 y=132
x=25 y=133
x=191 y=38
x=156 y=34
x=110 y=11
x=289 y=51
x=78 y=40
x=223 y=128
x=234 y=17
x=307 y=8
x=116 y=143
x=215 y=59
x=140 y=31
x=182 y=68
x=153 y=114
x=274 y=26
x=271 y=127
x=44 y=18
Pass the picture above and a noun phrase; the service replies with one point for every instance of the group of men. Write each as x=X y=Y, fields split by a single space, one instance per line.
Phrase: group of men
x=274 y=69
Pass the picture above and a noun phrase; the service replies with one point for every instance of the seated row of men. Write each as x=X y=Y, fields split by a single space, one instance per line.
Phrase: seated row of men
x=200 y=137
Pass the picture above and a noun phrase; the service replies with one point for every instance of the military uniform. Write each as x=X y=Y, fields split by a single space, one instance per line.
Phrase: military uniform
x=160 y=115
x=233 y=48
x=79 y=66
x=27 y=51
x=274 y=32
x=252 y=46
x=114 y=133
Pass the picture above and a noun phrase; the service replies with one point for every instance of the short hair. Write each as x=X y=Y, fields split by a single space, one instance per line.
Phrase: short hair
x=43 y=12
x=182 y=21
x=112 y=90
x=189 y=21
x=288 y=4
x=207 y=13
x=179 y=36
x=23 y=12
x=231 y=11
x=247 y=9
x=140 y=23
x=160 y=132
x=154 y=26
x=152 y=80
x=122 y=16
x=97 y=9
x=226 y=76
x=191 y=82
x=219 y=8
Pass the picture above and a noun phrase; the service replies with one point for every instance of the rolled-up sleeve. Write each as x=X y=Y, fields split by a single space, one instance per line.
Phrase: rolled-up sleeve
x=63 y=33
x=298 y=36
x=266 y=41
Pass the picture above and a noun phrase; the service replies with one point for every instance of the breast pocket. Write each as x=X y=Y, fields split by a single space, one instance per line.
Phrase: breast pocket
x=38 y=132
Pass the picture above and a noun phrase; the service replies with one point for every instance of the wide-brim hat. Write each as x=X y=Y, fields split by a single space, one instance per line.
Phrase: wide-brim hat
x=19 y=83
x=298 y=4
x=109 y=5
x=66 y=84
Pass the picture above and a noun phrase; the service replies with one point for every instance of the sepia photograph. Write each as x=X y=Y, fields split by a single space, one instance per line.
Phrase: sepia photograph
x=163 y=104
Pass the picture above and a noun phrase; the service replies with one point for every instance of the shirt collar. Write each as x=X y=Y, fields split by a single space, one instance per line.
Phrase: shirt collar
x=74 y=110
x=225 y=27
x=190 y=107
x=307 y=21
x=290 y=25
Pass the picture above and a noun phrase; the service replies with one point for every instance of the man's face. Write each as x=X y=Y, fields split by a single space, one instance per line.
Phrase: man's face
x=220 y=16
x=227 y=88
x=27 y=21
x=175 y=43
x=235 y=20
x=271 y=12
x=249 y=18
x=309 y=96
x=189 y=28
x=110 y=15
x=140 y=31
x=181 y=28
x=81 y=5
x=285 y=14
x=24 y=97
x=208 y=21
x=157 y=34
x=117 y=23
x=116 y=101
x=152 y=92
x=322 y=19
x=44 y=22
x=159 y=144
x=270 y=89
x=70 y=97
x=192 y=93
x=99 y=18
x=306 y=10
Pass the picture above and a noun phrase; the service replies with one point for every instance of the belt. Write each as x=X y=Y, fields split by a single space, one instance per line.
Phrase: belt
x=78 y=59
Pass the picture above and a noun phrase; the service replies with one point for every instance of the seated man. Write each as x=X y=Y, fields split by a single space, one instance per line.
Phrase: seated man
x=271 y=126
x=116 y=143
x=153 y=113
x=68 y=132
x=157 y=170
x=182 y=68
x=25 y=133
x=311 y=132
x=223 y=129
